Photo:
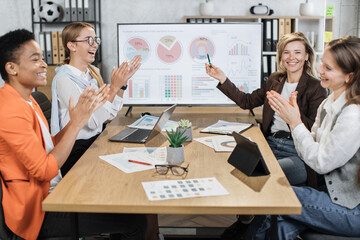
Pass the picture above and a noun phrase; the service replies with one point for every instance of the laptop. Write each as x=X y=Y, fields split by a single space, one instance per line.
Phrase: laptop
x=247 y=157
x=136 y=135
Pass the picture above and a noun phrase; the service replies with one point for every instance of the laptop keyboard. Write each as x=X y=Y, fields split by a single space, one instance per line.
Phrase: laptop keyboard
x=138 y=135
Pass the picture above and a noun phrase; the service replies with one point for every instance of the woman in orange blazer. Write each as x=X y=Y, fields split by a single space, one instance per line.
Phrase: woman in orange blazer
x=29 y=156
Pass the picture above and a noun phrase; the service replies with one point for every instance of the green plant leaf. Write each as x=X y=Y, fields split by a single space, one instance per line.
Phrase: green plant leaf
x=175 y=138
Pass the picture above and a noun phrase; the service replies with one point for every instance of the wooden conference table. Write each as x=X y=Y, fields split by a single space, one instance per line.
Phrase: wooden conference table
x=93 y=185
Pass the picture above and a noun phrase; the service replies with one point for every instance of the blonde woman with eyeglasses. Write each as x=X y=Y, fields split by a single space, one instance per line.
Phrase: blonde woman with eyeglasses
x=81 y=44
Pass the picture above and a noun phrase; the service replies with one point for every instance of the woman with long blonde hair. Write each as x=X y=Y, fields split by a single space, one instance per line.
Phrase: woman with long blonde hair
x=81 y=44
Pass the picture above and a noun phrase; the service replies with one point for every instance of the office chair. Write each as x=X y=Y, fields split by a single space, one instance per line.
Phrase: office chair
x=44 y=104
x=5 y=232
x=313 y=180
x=311 y=235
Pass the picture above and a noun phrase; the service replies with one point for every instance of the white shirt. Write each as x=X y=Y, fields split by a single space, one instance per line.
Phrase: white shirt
x=49 y=147
x=278 y=123
x=324 y=149
x=66 y=88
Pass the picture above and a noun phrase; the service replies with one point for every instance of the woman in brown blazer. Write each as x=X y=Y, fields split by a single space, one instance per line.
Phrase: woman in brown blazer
x=295 y=60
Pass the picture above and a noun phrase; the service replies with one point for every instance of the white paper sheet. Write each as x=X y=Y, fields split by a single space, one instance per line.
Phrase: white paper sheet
x=206 y=141
x=183 y=188
x=224 y=127
x=224 y=143
x=121 y=161
x=158 y=154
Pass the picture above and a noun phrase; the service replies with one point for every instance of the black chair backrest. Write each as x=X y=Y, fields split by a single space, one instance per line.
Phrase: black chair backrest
x=44 y=104
x=5 y=233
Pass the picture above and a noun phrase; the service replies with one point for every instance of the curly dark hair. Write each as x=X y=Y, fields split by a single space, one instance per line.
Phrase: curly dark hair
x=10 y=44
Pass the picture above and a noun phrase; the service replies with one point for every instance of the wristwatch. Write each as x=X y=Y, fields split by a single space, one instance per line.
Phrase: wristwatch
x=124 y=87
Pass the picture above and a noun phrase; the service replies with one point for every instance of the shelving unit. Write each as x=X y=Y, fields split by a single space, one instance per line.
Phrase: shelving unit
x=312 y=26
x=305 y=24
x=72 y=11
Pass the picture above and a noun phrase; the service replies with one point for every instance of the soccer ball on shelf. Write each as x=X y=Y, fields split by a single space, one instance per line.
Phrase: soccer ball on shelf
x=50 y=12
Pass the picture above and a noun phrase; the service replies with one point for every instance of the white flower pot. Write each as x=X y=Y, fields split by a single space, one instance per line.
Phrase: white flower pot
x=306 y=9
x=175 y=155
x=206 y=8
x=187 y=133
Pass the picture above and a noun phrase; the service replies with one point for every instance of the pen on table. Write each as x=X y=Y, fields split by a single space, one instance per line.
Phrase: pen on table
x=209 y=60
x=138 y=162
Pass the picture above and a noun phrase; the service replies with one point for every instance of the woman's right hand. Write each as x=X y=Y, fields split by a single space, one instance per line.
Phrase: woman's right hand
x=89 y=101
x=215 y=72
x=118 y=76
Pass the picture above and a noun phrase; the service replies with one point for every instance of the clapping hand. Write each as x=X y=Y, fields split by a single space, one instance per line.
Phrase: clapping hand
x=134 y=65
x=89 y=101
x=287 y=110
x=118 y=76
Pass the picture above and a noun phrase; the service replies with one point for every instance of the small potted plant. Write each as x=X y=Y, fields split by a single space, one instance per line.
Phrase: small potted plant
x=175 y=152
x=185 y=126
x=206 y=8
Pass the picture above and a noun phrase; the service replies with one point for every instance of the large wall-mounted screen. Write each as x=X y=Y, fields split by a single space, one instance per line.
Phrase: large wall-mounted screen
x=173 y=57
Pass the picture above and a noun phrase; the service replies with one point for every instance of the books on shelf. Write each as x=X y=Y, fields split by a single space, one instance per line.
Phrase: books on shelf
x=79 y=10
x=51 y=44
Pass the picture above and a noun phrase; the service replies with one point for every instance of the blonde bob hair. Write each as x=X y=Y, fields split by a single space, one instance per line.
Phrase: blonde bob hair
x=309 y=66
x=70 y=33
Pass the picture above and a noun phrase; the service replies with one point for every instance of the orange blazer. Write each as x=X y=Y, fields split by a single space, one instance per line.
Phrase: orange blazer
x=25 y=166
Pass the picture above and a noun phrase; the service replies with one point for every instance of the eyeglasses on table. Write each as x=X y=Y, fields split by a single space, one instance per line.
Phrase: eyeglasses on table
x=175 y=169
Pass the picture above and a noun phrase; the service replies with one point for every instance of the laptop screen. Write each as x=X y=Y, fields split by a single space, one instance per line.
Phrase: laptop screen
x=164 y=117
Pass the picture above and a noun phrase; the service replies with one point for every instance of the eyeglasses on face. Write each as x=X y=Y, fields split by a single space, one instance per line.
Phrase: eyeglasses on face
x=90 y=40
x=175 y=170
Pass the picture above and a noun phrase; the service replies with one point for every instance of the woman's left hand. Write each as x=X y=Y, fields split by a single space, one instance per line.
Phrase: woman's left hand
x=288 y=111
x=134 y=65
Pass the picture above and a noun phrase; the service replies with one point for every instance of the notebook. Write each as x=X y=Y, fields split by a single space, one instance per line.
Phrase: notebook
x=136 y=135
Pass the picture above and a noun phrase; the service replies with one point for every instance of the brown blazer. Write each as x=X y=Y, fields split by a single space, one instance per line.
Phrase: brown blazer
x=310 y=95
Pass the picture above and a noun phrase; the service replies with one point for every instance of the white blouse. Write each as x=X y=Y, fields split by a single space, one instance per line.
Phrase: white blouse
x=66 y=88
x=324 y=149
x=49 y=145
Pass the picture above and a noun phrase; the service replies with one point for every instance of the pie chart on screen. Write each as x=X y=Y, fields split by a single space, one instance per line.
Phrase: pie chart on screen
x=137 y=46
x=169 y=49
x=200 y=47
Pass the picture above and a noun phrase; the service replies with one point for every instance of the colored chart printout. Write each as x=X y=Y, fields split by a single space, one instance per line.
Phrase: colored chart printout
x=200 y=47
x=224 y=143
x=185 y=188
x=169 y=49
x=137 y=46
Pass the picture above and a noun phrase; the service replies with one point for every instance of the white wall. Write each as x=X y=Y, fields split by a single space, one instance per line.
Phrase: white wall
x=346 y=16
x=17 y=14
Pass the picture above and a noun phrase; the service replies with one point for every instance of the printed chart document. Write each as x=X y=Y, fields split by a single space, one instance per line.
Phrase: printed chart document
x=148 y=122
x=224 y=143
x=184 y=188
x=121 y=161
x=224 y=127
x=219 y=143
x=206 y=141
x=156 y=153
